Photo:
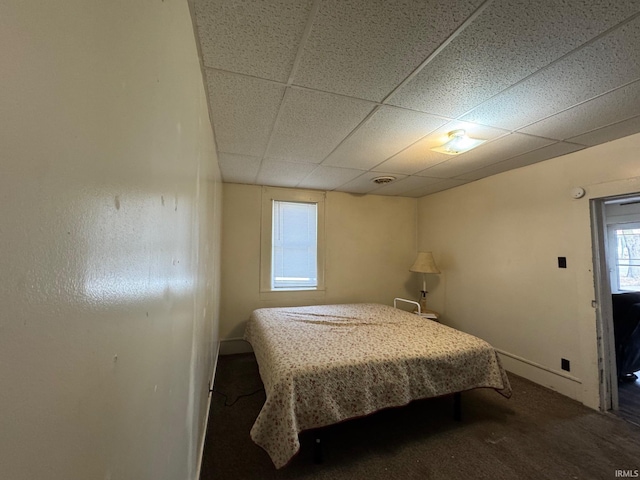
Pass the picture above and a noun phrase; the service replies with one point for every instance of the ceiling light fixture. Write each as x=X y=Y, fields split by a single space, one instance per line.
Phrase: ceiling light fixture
x=459 y=142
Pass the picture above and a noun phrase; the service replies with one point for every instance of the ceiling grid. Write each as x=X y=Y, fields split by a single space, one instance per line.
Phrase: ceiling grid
x=329 y=94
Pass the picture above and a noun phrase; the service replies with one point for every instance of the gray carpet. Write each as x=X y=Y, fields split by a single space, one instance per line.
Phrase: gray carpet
x=537 y=434
x=629 y=400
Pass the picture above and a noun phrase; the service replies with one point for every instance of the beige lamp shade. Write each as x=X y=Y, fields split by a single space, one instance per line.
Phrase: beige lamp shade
x=424 y=263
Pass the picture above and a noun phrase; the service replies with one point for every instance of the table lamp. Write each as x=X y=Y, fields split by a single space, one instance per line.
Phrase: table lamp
x=424 y=264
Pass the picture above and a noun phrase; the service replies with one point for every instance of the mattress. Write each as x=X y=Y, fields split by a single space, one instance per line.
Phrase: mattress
x=324 y=364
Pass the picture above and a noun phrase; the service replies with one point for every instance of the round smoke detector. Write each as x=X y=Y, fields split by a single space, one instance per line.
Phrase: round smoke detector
x=383 y=179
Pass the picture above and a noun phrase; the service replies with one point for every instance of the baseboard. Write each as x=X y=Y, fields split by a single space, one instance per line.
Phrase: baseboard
x=559 y=381
x=206 y=421
x=231 y=346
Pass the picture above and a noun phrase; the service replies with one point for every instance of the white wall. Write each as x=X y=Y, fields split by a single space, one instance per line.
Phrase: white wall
x=109 y=254
x=370 y=245
x=497 y=241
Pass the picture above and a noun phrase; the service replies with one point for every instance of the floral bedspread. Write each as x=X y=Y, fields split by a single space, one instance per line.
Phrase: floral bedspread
x=324 y=364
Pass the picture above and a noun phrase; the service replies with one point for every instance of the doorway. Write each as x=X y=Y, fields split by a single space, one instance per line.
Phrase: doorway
x=616 y=240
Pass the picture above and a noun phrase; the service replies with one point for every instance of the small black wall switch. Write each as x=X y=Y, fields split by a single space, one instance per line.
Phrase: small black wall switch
x=562 y=262
x=565 y=364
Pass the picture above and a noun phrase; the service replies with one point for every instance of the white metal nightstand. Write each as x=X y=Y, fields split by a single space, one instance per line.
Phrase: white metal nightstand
x=430 y=314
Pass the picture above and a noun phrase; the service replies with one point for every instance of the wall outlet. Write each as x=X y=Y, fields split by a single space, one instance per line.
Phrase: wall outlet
x=562 y=262
x=565 y=364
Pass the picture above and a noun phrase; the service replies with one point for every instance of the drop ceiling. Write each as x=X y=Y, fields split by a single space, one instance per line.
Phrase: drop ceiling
x=329 y=94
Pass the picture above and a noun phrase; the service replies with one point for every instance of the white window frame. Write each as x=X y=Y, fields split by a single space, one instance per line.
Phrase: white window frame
x=269 y=195
x=614 y=275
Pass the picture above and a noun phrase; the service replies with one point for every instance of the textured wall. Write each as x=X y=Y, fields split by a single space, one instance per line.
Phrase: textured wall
x=370 y=244
x=109 y=258
x=497 y=241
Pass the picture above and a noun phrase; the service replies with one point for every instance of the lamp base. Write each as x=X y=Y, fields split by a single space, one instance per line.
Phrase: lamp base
x=423 y=303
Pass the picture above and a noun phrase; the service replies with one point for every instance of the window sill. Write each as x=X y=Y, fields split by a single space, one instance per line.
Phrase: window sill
x=296 y=294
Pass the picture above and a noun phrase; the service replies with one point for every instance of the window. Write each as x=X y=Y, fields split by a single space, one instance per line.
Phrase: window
x=624 y=244
x=292 y=256
x=294 y=245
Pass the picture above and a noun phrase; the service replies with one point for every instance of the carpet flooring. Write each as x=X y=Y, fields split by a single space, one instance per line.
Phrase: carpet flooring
x=537 y=434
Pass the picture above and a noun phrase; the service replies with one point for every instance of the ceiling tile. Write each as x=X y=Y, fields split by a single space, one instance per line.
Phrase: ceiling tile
x=507 y=42
x=608 y=63
x=251 y=37
x=487 y=154
x=238 y=168
x=243 y=111
x=413 y=159
x=400 y=187
x=283 y=174
x=364 y=183
x=311 y=124
x=328 y=178
x=435 y=188
x=400 y=128
x=419 y=156
x=607 y=134
x=364 y=49
x=535 y=156
x=604 y=110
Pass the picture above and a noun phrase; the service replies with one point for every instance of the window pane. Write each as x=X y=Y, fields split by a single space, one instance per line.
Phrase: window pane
x=294 y=255
x=628 y=258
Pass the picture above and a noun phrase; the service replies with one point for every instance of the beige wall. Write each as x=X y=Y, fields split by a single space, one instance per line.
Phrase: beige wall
x=109 y=253
x=497 y=241
x=370 y=245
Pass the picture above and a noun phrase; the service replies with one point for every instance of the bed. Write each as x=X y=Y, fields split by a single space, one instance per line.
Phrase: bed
x=324 y=364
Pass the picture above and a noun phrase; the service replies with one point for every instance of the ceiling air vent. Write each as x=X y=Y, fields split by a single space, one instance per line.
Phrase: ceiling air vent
x=384 y=179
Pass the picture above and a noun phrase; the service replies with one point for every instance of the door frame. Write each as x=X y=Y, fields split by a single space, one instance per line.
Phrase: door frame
x=607 y=370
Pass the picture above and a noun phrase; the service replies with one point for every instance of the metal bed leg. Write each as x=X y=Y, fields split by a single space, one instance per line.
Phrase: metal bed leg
x=317 y=451
x=457 y=406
